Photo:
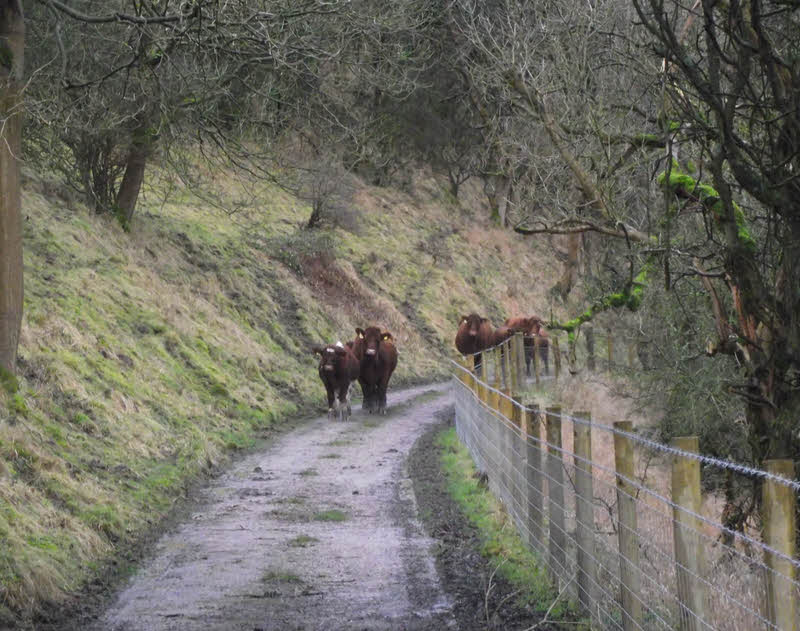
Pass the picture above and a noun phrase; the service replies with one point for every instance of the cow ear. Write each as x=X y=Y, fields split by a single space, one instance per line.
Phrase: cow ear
x=464 y=319
x=484 y=319
x=360 y=332
x=317 y=349
x=386 y=336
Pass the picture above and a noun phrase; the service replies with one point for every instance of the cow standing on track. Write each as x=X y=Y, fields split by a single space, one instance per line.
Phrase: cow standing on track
x=377 y=355
x=473 y=336
x=338 y=368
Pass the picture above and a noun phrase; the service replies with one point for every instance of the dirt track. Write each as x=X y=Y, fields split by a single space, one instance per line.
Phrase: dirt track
x=318 y=531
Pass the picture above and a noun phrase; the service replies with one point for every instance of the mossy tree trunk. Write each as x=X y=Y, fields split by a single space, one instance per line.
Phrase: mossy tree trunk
x=132 y=179
x=12 y=46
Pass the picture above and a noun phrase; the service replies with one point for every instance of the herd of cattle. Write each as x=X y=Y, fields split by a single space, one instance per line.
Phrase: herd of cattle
x=372 y=357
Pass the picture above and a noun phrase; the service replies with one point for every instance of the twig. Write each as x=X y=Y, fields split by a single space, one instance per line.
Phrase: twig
x=489 y=588
x=550 y=608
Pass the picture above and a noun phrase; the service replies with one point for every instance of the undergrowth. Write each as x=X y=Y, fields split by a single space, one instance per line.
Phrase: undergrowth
x=500 y=543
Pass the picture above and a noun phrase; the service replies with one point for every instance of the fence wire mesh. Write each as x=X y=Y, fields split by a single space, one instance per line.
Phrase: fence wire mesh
x=613 y=534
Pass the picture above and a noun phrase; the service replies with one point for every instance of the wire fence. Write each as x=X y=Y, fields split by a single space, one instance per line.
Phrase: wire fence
x=620 y=522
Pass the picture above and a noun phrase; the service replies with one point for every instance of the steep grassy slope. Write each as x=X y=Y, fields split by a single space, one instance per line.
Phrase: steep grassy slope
x=148 y=357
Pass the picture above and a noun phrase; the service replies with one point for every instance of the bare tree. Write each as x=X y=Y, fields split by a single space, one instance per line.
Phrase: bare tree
x=12 y=46
x=133 y=84
x=732 y=85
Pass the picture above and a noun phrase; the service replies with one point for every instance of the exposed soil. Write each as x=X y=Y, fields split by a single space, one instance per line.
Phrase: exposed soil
x=320 y=530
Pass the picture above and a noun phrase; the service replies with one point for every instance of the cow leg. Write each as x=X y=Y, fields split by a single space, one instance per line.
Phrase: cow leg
x=545 y=357
x=383 y=386
x=349 y=398
x=365 y=390
x=331 y=401
x=529 y=351
x=344 y=401
x=371 y=401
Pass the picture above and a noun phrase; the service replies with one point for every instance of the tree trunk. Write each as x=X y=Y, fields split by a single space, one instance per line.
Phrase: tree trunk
x=128 y=193
x=570 y=275
x=12 y=47
x=503 y=189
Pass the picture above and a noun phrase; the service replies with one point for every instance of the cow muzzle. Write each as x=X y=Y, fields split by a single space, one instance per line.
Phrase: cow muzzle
x=370 y=351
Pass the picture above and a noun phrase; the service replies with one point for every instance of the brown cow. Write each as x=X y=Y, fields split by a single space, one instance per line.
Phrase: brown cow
x=532 y=328
x=338 y=368
x=377 y=355
x=474 y=335
x=501 y=334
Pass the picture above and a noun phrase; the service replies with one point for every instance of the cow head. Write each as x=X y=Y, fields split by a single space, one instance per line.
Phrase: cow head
x=329 y=355
x=473 y=323
x=371 y=340
x=535 y=325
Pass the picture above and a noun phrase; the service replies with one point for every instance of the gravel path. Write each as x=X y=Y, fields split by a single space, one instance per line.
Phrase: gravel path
x=317 y=532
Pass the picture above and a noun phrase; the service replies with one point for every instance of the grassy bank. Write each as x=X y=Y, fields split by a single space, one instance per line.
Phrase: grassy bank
x=500 y=543
x=149 y=357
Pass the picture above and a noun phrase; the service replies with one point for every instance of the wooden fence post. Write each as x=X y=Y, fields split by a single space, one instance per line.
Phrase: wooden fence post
x=555 y=485
x=517 y=474
x=584 y=512
x=494 y=401
x=533 y=479
x=519 y=341
x=467 y=375
x=590 y=360
x=507 y=364
x=689 y=551
x=504 y=444
x=480 y=380
x=627 y=531
x=497 y=357
x=779 y=534
x=512 y=344
x=556 y=357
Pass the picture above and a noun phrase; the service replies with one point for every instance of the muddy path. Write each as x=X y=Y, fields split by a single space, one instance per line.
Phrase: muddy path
x=317 y=531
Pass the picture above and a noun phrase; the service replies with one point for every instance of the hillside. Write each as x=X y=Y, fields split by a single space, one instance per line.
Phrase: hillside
x=148 y=358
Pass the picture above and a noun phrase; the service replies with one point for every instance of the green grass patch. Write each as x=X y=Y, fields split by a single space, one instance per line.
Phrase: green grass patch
x=339 y=442
x=290 y=500
x=302 y=541
x=500 y=544
x=333 y=514
x=331 y=456
x=306 y=473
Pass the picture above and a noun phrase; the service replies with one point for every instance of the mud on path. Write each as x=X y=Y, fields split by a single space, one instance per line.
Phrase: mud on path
x=317 y=531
